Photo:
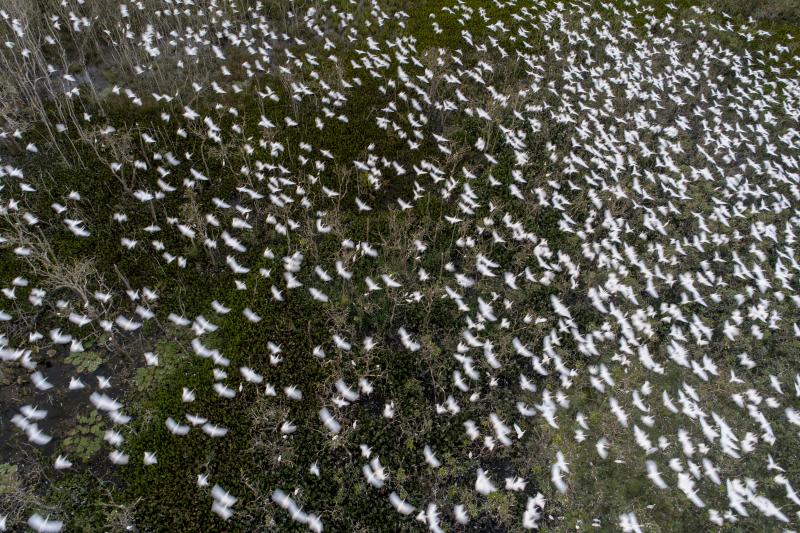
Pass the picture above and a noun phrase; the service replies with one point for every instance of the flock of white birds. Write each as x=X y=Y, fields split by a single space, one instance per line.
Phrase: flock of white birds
x=667 y=158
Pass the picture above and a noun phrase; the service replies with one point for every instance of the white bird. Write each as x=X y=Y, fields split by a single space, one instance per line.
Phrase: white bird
x=342 y=272
x=119 y=418
x=558 y=481
x=235 y=266
x=654 y=475
x=347 y=393
x=213 y=430
x=407 y=341
x=483 y=484
x=127 y=324
x=321 y=274
x=293 y=393
x=341 y=343
x=772 y=465
x=187 y=395
x=559 y=307
x=520 y=348
x=331 y=423
x=516 y=484
x=151 y=359
x=250 y=315
x=430 y=457
x=461 y=515
x=629 y=523
x=104 y=402
x=276 y=293
x=36 y=435
x=196 y=420
x=318 y=295
x=250 y=375
x=33 y=413
x=223 y=391
x=219 y=308
x=44 y=525
x=222 y=496
x=176 y=428
x=389 y=282
x=602 y=448
x=400 y=505
x=374 y=472
x=40 y=382
x=62 y=463
x=59 y=338
x=362 y=206
x=291 y=281
x=118 y=457
x=686 y=484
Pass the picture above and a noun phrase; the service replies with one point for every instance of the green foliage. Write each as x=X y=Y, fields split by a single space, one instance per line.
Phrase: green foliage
x=85 y=438
x=170 y=357
x=254 y=459
x=84 y=499
x=9 y=478
x=87 y=361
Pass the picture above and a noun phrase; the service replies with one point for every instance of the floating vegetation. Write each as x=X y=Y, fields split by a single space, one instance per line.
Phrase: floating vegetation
x=85 y=438
x=84 y=361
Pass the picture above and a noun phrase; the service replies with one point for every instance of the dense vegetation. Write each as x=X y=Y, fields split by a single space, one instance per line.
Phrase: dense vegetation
x=551 y=243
